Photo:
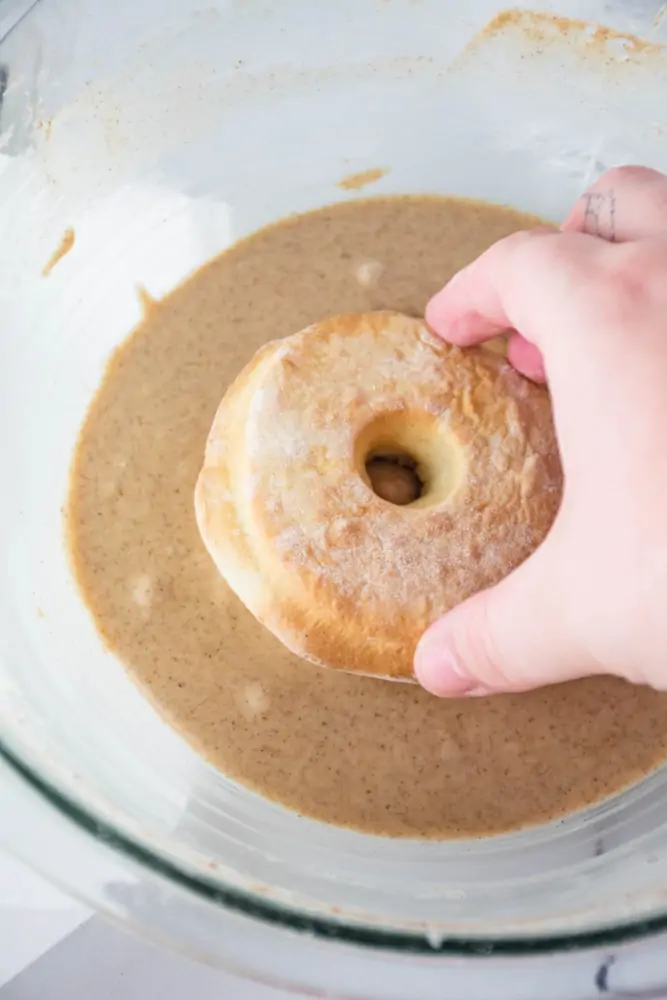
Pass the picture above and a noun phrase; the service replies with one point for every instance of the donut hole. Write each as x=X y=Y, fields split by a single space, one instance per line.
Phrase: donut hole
x=394 y=478
x=409 y=458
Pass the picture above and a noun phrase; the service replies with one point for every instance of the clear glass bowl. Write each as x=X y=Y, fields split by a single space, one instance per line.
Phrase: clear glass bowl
x=161 y=131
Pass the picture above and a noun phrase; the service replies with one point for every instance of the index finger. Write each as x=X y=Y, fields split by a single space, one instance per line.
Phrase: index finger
x=523 y=282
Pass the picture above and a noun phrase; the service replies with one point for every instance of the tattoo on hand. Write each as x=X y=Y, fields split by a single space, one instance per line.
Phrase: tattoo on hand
x=600 y=215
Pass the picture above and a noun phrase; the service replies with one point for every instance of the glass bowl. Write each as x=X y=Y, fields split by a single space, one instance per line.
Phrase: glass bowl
x=160 y=132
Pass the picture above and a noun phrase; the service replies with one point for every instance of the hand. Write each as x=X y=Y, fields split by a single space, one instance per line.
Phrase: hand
x=590 y=307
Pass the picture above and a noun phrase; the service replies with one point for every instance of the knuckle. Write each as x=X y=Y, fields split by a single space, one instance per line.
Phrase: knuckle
x=623 y=204
x=622 y=283
x=620 y=177
x=636 y=273
x=535 y=250
x=560 y=257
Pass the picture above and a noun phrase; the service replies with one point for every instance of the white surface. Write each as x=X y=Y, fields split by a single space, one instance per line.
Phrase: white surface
x=42 y=956
x=33 y=917
x=100 y=961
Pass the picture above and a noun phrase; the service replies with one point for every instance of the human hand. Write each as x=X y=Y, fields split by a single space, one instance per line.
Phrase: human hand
x=590 y=305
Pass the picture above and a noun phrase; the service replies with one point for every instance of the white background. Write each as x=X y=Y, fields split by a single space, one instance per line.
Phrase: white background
x=52 y=947
x=33 y=917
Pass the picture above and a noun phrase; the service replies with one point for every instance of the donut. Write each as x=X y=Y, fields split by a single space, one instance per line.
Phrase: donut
x=346 y=575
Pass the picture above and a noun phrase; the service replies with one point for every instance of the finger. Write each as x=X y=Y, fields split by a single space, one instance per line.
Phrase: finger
x=470 y=309
x=624 y=204
x=508 y=638
x=525 y=357
x=524 y=282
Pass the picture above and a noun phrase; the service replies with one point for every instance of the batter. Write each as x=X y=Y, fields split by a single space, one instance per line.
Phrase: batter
x=384 y=758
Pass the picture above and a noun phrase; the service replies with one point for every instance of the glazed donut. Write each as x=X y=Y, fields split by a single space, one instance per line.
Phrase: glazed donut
x=285 y=502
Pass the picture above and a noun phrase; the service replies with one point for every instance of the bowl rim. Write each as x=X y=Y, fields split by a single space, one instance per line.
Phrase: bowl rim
x=321 y=927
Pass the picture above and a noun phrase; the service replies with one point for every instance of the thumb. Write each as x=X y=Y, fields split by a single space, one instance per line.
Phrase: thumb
x=512 y=637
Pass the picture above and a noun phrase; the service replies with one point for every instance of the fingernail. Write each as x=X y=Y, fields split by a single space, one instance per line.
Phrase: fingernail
x=438 y=670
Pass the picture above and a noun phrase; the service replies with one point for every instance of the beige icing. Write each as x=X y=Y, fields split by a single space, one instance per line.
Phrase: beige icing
x=385 y=758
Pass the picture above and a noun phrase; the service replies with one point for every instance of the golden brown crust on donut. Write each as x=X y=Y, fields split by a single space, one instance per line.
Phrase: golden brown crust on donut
x=287 y=512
